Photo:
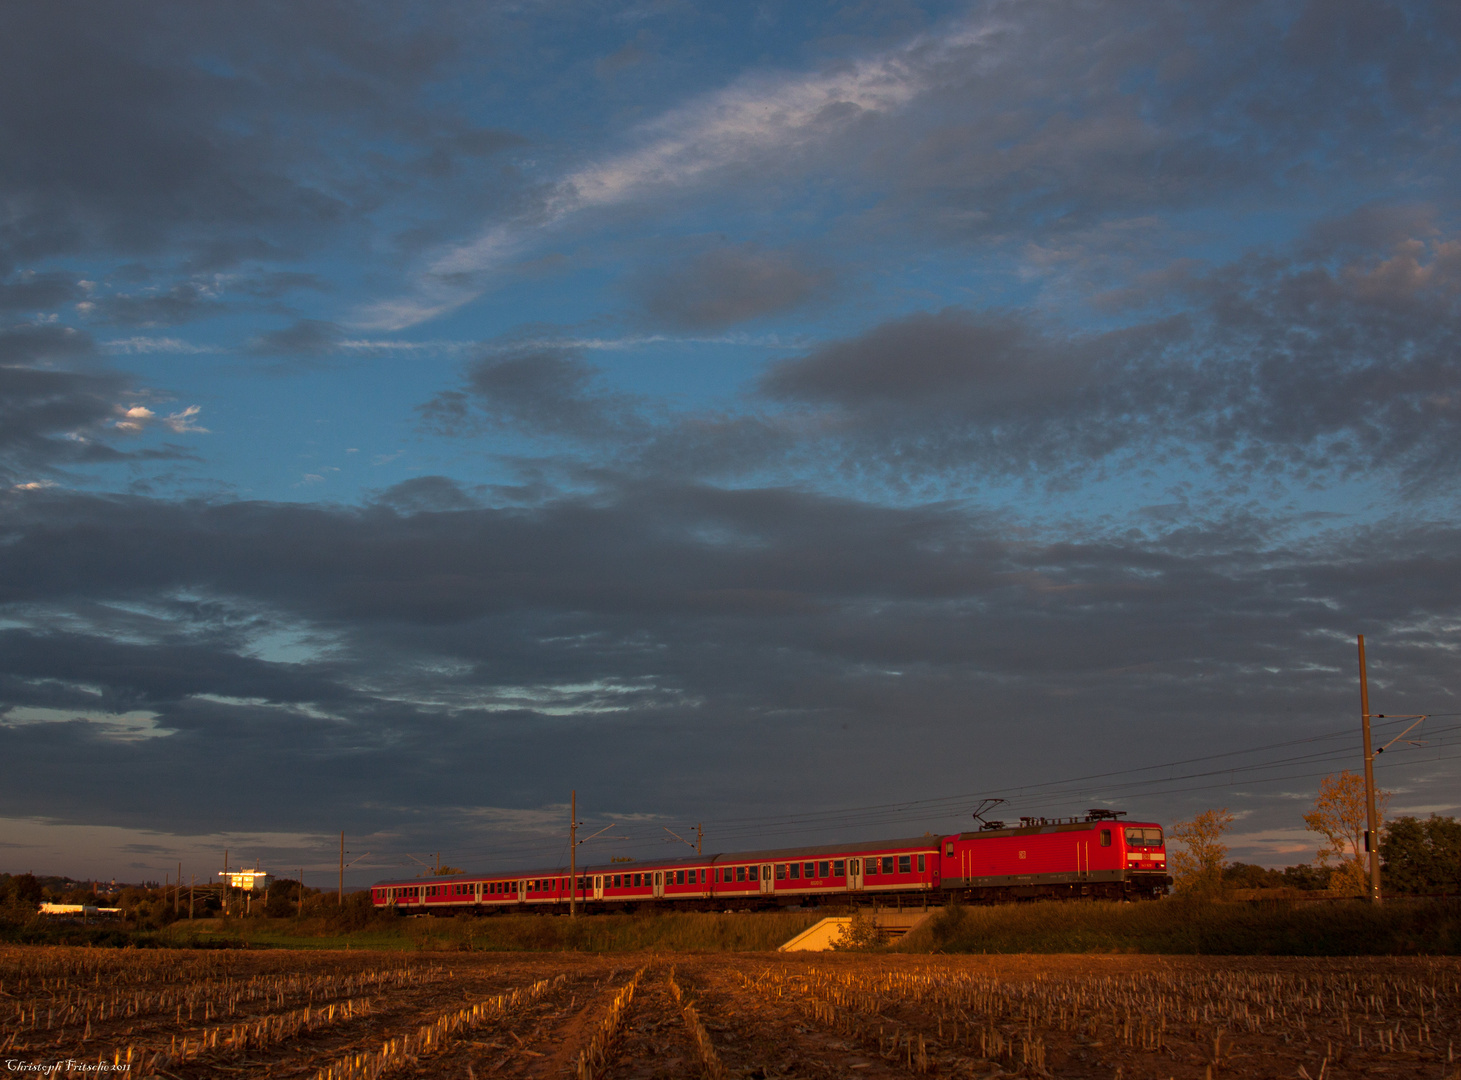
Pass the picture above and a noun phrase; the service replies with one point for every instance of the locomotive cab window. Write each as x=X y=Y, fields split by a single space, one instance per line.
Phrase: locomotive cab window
x=1143 y=838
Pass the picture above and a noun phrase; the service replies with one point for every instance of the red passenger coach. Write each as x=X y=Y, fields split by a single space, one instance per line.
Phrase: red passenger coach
x=1096 y=856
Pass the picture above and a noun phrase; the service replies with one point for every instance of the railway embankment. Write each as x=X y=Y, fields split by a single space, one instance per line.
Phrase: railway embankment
x=1339 y=927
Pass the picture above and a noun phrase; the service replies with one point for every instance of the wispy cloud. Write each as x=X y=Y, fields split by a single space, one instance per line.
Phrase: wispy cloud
x=136 y=345
x=135 y=419
x=756 y=118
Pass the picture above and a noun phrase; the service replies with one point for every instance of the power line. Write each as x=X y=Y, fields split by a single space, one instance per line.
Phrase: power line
x=939 y=809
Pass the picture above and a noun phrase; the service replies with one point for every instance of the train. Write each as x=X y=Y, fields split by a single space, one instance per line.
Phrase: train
x=1098 y=856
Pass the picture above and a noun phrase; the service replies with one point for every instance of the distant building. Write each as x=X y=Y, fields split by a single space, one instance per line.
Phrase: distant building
x=247 y=880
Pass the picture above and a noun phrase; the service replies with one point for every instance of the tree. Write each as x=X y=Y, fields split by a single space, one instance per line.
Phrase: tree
x=1422 y=856
x=1339 y=817
x=1198 y=867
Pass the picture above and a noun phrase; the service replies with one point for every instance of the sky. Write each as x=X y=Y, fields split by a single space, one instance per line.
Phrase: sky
x=803 y=420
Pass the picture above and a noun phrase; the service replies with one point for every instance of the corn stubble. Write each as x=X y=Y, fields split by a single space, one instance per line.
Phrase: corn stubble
x=351 y=1015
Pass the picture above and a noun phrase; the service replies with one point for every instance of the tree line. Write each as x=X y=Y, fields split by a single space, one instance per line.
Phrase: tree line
x=1418 y=856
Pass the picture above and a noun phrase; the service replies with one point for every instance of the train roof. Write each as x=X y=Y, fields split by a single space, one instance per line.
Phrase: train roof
x=1084 y=825
x=927 y=842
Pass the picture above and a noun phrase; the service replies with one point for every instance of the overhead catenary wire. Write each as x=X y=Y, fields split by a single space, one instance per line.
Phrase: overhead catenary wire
x=1111 y=786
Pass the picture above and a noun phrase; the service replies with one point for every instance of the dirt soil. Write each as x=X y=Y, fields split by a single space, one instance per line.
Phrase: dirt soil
x=306 y=1014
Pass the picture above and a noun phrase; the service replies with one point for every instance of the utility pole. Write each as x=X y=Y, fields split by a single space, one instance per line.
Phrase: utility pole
x=699 y=836
x=192 y=888
x=1372 y=833
x=177 y=897
x=225 y=883
x=573 y=855
x=342 y=868
x=300 y=913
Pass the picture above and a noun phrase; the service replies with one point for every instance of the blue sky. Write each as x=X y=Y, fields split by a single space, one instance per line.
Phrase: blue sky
x=730 y=411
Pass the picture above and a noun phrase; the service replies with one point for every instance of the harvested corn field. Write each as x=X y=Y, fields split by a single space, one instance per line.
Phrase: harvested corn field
x=339 y=1016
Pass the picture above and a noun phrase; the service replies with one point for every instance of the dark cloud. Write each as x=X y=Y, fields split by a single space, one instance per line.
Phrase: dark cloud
x=1057 y=119
x=167 y=307
x=32 y=292
x=544 y=392
x=1331 y=362
x=131 y=676
x=59 y=409
x=425 y=494
x=307 y=338
x=51 y=418
x=729 y=285
x=216 y=135
x=666 y=630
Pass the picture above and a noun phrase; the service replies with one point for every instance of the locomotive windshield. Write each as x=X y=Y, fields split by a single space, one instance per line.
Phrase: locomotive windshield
x=1143 y=838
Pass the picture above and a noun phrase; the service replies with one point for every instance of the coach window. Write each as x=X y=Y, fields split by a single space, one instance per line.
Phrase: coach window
x=905 y=864
x=781 y=871
x=740 y=873
x=871 y=865
x=1105 y=837
x=795 y=871
x=809 y=870
x=920 y=864
x=839 y=868
x=823 y=869
x=751 y=873
x=887 y=864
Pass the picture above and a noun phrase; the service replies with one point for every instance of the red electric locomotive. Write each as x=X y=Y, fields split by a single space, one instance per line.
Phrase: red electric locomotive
x=1095 y=856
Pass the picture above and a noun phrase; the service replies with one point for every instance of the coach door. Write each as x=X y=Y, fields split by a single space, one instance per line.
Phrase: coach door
x=522 y=890
x=659 y=883
x=854 y=874
x=766 y=882
x=598 y=886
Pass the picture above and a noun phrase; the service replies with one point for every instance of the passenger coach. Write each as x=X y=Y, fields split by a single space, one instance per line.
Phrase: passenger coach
x=1098 y=856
